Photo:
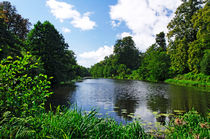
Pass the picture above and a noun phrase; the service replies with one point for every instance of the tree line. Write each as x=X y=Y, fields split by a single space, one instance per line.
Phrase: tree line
x=188 y=49
x=46 y=45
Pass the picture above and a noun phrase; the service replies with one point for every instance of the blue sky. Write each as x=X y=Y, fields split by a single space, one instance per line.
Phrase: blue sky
x=91 y=27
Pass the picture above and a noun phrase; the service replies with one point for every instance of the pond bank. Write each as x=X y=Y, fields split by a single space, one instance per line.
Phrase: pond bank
x=198 y=81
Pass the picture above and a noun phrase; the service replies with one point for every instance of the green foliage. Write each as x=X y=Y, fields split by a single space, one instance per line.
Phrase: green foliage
x=156 y=64
x=198 y=47
x=126 y=53
x=205 y=63
x=181 y=33
x=160 y=41
x=9 y=43
x=192 y=79
x=178 y=51
x=190 y=125
x=181 y=26
x=44 y=41
x=82 y=71
x=106 y=68
x=69 y=124
x=20 y=92
x=15 y=22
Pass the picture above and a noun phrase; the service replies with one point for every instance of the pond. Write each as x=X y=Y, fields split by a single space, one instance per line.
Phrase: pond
x=125 y=100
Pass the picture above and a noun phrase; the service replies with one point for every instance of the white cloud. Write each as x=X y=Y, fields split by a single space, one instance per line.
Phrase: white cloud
x=65 y=30
x=145 y=18
x=124 y=34
x=63 y=10
x=88 y=59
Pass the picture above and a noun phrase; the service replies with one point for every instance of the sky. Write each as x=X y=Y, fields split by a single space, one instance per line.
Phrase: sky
x=91 y=27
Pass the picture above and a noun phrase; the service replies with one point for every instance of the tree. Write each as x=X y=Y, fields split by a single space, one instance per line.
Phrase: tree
x=9 y=43
x=44 y=41
x=197 y=48
x=205 y=63
x=181 y=32
x=156 y=63
x=15 y=22
x=161 y=41
x=126 y=53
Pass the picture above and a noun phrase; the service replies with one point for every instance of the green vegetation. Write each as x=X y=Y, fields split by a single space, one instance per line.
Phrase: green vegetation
x=190 y=79
x=22 y=93
x=68 y=124
x=32 y=60
x=187 y=51
x=44 y=42
x=190 y=125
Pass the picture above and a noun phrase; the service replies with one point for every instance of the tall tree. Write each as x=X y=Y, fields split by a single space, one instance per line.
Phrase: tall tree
x=161 y=41
x=181 y=32
x=44 y=41
x=198 y=47
x=15 y=22
x=9 y=43
x=155 y=65
x=126 y=52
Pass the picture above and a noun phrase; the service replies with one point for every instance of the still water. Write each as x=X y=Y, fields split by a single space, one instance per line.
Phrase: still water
x=126 y=100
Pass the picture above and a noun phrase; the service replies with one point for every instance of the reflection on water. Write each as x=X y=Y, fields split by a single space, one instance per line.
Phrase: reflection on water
x=62 y=96
x=126 y=100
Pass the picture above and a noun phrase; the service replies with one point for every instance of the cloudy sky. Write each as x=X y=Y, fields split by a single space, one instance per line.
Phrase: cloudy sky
x=91 y=27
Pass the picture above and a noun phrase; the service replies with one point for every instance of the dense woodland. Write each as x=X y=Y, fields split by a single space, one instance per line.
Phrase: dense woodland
x=187 y=50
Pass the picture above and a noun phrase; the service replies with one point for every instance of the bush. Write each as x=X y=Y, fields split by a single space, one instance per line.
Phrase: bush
x=21 y=93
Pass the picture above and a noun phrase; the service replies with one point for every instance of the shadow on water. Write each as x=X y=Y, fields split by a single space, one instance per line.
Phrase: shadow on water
x=184 y=98
x=62 y=96
x=126 y=100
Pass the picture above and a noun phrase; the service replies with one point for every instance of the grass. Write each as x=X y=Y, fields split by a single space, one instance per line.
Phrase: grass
x=76 y=124
x=68 y=124
x=200 y=81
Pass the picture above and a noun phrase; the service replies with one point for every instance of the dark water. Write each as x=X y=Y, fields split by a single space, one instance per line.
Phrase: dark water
x=126 y=100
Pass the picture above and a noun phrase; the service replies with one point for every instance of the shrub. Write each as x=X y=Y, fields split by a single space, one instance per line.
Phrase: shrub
x=21 y=93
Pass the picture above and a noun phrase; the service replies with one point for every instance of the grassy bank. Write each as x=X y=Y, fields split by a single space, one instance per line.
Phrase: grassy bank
x=67 y=124
x=76 y=124
x=200 y=81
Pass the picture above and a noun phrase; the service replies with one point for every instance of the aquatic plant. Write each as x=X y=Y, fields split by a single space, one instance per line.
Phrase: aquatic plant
x=190 y=125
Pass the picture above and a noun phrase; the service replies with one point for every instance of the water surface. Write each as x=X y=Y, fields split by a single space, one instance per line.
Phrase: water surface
x=126 y=100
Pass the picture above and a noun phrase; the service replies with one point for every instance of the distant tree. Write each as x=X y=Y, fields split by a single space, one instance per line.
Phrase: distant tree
x=44 y=41
x=156 y=63
x=126 y=53
x=82 y=71
x=181 y=33
x=15 y=22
